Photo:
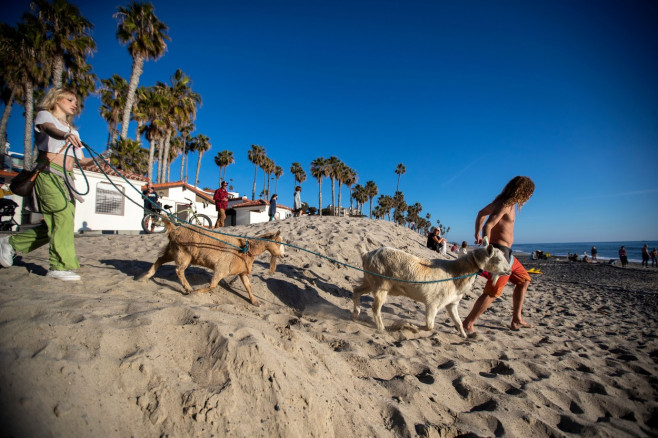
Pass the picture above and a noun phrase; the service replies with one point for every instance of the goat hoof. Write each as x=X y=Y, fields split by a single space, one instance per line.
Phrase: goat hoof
x=255 y=303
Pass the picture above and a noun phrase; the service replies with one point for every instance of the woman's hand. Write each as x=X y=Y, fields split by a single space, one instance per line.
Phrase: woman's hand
x=73 y=139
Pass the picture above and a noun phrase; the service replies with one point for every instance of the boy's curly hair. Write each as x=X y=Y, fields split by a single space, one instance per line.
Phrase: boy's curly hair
x=517 y=191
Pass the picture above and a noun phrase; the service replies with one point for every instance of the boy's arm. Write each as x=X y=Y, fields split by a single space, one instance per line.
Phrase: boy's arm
x=479 y=221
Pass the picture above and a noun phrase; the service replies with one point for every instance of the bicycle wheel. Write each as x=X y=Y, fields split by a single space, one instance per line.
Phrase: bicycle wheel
x=152 y=223
x=201 y=220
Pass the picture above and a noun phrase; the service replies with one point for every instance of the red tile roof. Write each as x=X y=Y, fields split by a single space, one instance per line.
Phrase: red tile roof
x=91 y=167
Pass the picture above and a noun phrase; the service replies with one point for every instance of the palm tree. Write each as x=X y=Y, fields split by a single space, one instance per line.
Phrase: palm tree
x=342 y=173
x=371 y=192
x=386 y=203
x=185 y=132
x=332 y=165
x=400 y=170
x=145 y=35
x=278 y=173
x=152 y=104
x=350 y=179
x=319 y=171
x=68 y=36
x=10 y=88
x=223 y=159
x=182 y=110
x=32 y=74
x=360 y=196
x=128 y=155
x=112 y=92
x=255 y=155
x=295 y=168
x=268 y=167
x=201 y=145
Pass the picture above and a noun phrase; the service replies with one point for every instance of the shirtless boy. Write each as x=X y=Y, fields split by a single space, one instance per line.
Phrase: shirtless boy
x=499 y=228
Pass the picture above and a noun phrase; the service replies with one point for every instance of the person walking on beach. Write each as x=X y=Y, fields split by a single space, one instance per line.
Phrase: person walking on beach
x=623 y=257
x=272 y=210
x=595 y=254
x=53 y=187
x=500 y=216
x=151 y=204
x=221 y=203
x=645 y=255
x=297 y=204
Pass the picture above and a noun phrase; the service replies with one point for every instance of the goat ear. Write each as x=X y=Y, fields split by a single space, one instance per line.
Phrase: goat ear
x=278 y=233
x=242 y=242
x=490 y=250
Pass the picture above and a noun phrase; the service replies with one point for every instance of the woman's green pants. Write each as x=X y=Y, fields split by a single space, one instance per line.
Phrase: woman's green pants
x=58 y=227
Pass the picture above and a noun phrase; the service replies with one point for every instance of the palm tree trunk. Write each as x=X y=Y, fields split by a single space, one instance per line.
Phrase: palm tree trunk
x=3 y=127
x=138 y=137
x=165 y=158
x=151 y=160
x=320 y=197
x=253 y=190
x=58 y=71
x=29 y=120
x=182 y=165
x=339 y=196
x=138 y=67
x=333 y=197
x=198 y=168
x=160 y=158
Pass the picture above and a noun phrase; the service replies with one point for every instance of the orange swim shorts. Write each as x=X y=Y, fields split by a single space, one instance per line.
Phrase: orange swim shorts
x=519 y=276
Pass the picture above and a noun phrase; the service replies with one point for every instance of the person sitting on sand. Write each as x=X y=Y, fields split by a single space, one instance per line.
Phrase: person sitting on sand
x=434 y=240
x=499 y=229
x=464 y=249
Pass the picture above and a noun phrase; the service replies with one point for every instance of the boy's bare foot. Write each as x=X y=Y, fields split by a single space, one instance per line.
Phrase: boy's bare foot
x=519 y=325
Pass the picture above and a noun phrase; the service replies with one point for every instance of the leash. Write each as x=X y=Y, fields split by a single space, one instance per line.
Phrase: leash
x=244 y=249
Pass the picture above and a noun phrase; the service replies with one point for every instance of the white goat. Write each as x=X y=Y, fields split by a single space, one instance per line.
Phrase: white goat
x=394 y=263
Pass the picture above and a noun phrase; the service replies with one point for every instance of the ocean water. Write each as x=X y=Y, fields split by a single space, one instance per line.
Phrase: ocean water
x=606 y=250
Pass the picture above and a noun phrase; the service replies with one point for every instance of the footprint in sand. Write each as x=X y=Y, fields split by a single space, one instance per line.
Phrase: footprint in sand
x=460 y=388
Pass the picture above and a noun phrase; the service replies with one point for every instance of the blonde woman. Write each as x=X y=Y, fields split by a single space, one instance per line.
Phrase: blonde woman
x=54 y=132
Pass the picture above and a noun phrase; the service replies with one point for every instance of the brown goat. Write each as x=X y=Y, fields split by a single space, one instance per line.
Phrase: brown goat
x=191 y=246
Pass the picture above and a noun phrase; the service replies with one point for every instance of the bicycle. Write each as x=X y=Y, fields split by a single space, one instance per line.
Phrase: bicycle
x=153 y=222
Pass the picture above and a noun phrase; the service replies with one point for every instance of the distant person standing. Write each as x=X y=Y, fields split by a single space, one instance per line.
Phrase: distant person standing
x=496 y=223
x=623 y=257
x=221 y=203
x=595 y=254
x=654 y=257
x=645 y=255
x=297 y=203
x=272 y=210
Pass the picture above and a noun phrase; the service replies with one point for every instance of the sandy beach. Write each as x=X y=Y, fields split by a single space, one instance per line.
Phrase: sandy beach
x=110 y=356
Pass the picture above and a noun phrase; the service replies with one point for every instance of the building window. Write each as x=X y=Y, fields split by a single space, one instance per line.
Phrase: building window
x=109 y=200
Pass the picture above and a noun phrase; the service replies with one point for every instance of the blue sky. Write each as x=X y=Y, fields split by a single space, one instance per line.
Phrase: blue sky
x=465 y=94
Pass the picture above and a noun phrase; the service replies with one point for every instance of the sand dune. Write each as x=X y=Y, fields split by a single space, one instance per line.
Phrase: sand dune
x=109 y=356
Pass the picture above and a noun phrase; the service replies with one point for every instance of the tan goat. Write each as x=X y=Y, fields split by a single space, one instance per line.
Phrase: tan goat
x=191 y=246
x=397 y=264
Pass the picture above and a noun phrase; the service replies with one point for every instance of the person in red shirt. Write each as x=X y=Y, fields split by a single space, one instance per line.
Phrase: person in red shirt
x=221 y=203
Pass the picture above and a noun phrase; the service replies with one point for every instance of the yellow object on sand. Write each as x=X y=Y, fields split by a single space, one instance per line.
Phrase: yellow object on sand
x=534 y=271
